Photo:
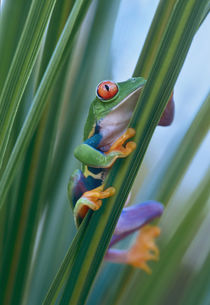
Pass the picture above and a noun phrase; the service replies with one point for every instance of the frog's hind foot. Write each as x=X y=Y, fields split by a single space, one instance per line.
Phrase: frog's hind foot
x=91 y=200
x=118 y=146
x=144 y=248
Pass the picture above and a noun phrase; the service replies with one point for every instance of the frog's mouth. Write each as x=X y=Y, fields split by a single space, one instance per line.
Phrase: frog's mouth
x=116 y=122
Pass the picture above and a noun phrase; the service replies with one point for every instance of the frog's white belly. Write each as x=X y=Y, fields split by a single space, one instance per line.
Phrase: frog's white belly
x=116 y=122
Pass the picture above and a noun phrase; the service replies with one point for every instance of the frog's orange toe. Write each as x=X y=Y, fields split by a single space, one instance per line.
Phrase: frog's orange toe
x=95 y=195
x=118 y=146
x=130 y=146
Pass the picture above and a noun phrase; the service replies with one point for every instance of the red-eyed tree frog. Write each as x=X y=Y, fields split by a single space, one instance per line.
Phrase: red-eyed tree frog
x=107 y=138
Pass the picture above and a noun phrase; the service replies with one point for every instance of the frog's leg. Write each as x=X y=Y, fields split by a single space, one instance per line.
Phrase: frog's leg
x=91 y=200
x=144 y=248
x=76 y=187
x=88 y=153
x=86 y=193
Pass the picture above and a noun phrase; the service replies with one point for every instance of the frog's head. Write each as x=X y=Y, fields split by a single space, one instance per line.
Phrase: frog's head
x=112 y=108
x=111 y=96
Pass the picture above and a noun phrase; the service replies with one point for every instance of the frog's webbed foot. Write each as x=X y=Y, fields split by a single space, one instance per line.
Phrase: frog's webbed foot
x=143 y=250
x=118 y=146
x=91 y=200
x=132 y=219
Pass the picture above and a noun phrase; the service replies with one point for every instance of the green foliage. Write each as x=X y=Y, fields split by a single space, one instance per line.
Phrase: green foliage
x=51 y=62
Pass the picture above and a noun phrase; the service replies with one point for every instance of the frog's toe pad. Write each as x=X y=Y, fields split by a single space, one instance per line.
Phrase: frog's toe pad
x=144 y=248
x=130 y=146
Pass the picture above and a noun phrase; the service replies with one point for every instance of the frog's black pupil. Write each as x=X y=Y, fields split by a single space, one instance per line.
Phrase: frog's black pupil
x=107 y=87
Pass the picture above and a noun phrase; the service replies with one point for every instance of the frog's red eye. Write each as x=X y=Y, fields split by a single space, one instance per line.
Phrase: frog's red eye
x=107 y=90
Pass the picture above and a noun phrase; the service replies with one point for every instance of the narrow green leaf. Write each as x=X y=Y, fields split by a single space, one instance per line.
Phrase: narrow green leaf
x=21 y=67
x=63 y=271
x=35 y=177
x=154 y=36
x=58 y=58
x=12 y=19
x=199 y=286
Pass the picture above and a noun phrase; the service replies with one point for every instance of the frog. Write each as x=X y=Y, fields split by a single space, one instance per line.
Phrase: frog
x=107 y=138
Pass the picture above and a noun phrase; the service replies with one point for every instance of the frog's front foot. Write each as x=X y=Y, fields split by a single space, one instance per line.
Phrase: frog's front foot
x=120 y=147
x=91 y=200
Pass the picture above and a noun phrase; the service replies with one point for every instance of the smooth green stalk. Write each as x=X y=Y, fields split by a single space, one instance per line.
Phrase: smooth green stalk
x=172 y=52
x=39 y=102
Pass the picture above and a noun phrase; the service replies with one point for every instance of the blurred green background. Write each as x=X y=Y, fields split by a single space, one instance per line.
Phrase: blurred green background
x=36 y=222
